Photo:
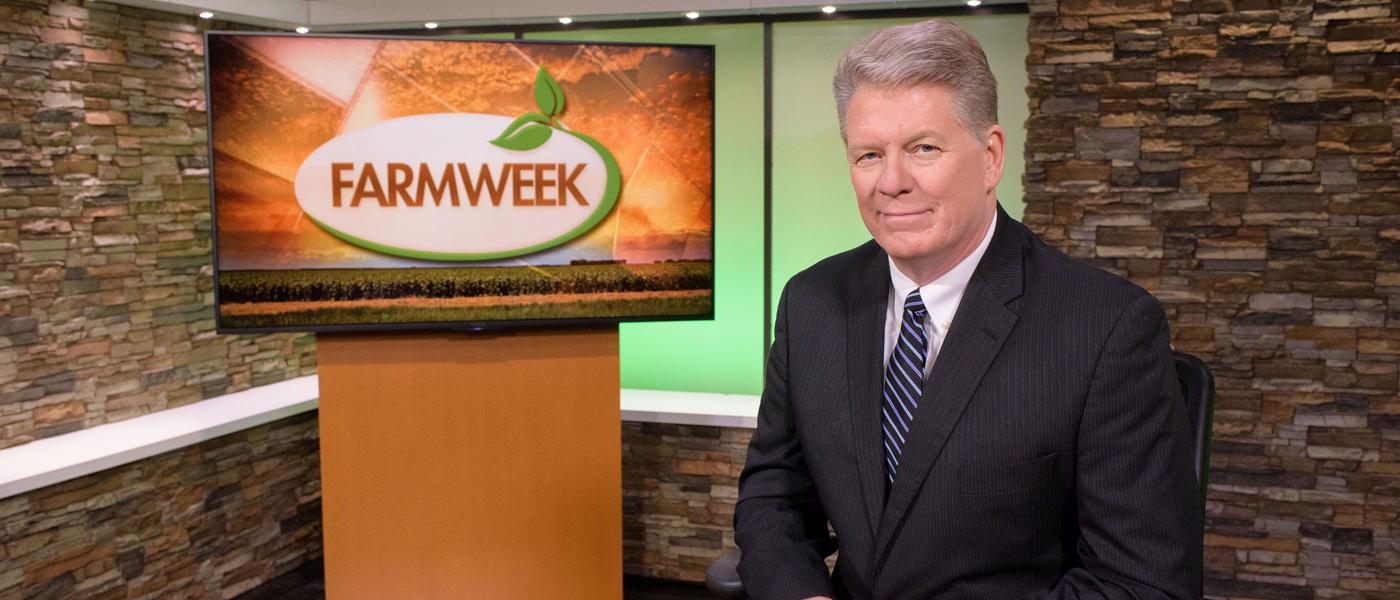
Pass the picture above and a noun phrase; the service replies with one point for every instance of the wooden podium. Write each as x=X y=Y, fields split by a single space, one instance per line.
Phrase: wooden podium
x=483 y=465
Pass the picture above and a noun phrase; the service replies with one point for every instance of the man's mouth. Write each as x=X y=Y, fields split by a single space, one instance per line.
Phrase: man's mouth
x=896 y=214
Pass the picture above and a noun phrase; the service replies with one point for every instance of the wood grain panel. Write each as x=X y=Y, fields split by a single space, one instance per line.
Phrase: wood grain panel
x=471 y=466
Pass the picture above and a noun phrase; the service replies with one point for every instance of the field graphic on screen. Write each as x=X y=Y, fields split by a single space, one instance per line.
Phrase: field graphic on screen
x=390 y=182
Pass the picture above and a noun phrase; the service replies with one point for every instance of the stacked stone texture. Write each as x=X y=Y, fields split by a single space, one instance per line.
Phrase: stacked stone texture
x=1239 y=159
x=105 y=290
x=106 y=313
x=679 y=487
x=208 y=521
x=106 y=302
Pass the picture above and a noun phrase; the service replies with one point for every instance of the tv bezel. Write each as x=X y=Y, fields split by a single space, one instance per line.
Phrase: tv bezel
x=460 y=326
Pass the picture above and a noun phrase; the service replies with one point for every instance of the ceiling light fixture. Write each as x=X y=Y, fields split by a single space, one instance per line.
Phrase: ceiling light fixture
x=974 y=3
x=566 y=20
x=828 y=9
x=303 y=29
x=692 y=15
x=206 y=15
x=430 y=25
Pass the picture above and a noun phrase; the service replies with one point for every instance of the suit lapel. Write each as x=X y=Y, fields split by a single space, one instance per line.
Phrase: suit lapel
x=865 y=350
x=980 y=327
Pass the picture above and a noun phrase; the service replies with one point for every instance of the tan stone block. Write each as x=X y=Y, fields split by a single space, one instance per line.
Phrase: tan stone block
x=701 y=467
x=1261 y=543
x=89 y=348
x=1332 y=453
x=11 y=578
x=46 y=226
x=1351 y=517
x=21 y=547
x=70 y=562
x=105 y=117
x=184 y=37
x=1343 y=12
x=1077 y=171
x=1134 y=19
x=56 y=413
x=1236 y=30
x=108 y=57
x=14 y=505
x=1109 y=7
x=1193 y=120
x=60 y=36
x=1093 y=56
x=1231 y=252
x=75 y=167
x=1309 y=332
x=1216 y=176
x=1356 y=46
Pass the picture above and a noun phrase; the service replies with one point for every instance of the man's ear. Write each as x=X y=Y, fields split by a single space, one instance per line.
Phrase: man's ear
x=994 y=157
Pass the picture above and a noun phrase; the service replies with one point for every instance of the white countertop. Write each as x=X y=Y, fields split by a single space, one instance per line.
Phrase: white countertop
x=60 y=458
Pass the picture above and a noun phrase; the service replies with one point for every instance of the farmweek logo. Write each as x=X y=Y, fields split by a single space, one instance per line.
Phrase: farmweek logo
x=461 y=186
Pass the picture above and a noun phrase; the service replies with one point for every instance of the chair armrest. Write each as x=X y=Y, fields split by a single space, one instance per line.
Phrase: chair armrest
x=723 y=575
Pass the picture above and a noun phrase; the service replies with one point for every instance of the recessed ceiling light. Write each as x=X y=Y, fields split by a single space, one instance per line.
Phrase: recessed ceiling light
x=303 y=29
x=974 y=3
x=566 y=20
x=206 y=15
x=430 y=25
x=828 y=9
x=692 y=15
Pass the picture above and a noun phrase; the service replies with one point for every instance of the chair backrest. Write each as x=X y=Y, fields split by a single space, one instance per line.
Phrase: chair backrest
x=1198 y=388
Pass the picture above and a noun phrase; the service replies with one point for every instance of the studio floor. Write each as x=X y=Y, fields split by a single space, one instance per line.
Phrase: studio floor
x=307 y=582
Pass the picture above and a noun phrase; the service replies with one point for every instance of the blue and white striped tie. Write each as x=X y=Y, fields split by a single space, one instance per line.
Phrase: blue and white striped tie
x=904 y=382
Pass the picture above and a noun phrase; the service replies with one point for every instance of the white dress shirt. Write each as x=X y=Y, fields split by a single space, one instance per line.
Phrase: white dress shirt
x=941 y=297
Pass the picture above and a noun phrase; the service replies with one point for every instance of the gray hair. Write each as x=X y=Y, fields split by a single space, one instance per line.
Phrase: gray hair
x=928 y=52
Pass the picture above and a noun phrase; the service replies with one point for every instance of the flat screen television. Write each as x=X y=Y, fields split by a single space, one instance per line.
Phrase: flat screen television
x=387 y=182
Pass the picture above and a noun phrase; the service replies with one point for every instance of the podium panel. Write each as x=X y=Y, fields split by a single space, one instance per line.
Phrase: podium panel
x=471 y=465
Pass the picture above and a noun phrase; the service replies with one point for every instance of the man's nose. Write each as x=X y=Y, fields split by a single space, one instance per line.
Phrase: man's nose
x=894 y=177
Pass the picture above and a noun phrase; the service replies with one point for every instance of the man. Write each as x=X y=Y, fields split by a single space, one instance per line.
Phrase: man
x=974 y=414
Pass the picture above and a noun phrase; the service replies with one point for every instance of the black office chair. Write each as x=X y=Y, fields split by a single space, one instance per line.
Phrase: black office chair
x=1197 y=388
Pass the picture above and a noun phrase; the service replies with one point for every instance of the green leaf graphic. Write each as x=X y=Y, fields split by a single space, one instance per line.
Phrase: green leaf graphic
x=528 y=137
x=521 y=121
x=548 y=95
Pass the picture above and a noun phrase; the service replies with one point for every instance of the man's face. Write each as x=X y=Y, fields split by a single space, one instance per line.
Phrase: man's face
x=924 y=184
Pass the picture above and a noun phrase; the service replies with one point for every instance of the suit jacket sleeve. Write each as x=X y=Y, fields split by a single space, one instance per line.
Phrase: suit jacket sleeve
x=1139 y=516
x=779 y=524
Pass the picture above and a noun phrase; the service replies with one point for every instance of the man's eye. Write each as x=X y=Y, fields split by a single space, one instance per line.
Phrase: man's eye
x=925 y=148
x=868 y=156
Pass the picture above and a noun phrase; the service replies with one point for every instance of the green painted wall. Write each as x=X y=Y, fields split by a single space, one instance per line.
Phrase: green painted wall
x=724 y=355
x=814 y=209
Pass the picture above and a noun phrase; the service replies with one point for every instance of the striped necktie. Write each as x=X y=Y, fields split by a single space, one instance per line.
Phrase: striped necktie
x=904 y=382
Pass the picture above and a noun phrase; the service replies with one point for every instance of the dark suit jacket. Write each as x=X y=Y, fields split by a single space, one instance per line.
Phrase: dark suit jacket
x=1049 y=458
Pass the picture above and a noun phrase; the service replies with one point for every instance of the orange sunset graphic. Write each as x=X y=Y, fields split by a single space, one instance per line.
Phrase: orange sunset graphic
x=274 y=100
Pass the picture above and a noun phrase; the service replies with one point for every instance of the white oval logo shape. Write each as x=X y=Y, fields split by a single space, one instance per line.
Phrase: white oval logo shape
x=435 y=187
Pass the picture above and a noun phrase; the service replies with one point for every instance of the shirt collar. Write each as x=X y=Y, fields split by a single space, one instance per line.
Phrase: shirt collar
x=941 y=296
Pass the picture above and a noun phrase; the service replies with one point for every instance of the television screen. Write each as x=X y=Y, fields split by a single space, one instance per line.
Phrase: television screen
x=368 y=182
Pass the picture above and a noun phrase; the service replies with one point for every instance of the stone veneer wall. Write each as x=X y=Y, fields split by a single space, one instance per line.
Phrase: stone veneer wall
x=106 y=313
x=679 y=487
x=106 y=290
x=1239 y=159
x=208 y=521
